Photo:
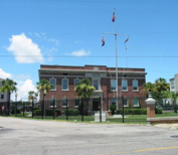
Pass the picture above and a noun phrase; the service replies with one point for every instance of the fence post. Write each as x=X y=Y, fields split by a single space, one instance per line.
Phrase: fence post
x=122 y=109
x=42 y=103
x=66 y=111
x=82 y=109
x=32 y=106
x=16 y=108
x=100 y=109
x=53 y=109
x=23 y=108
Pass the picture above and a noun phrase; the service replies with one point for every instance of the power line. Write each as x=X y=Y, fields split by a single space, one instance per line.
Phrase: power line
x=98 y=56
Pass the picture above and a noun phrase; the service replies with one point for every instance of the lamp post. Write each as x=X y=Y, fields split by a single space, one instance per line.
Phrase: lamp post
x=16 y=104
x=44 y=95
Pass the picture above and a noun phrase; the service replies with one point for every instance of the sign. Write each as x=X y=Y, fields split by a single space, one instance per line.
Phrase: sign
x=3 y=108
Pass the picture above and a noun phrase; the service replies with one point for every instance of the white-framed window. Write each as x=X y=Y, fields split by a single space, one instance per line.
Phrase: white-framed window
x=113 y=101
x=172 y=84
x=76 y=81
x=96 y=84
x=64 y=102
x=135 y=85
x=65 y=84
x=52 y=101
x=124 y=85
x=113 y=85
x=126 y=102
x=52 y=81
x=135 y=102
x=77 y=102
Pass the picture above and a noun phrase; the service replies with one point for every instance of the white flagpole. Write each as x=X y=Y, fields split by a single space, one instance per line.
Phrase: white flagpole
x=117 y=105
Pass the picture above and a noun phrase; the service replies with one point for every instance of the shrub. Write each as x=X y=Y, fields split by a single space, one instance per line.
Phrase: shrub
x=72 y=112
x=158 y=111
x=113 y=109
x=36 y=108
x=58 y=112
x=133 y=111
x=17 y=111
x=37 y=112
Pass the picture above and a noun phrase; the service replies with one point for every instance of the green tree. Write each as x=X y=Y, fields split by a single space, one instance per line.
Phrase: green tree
x=85 y=90
x=173 y=96
x=42 y=86
x=8 y=86
x=149 y=87
x=32 y=94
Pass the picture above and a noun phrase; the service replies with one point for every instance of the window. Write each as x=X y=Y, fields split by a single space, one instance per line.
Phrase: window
x=113 y=85
x=64 y=102
x=135 y=102
x=65 y=84
x=125 y=102
x=172 y=84
x=77 y=102
x=96 y=84
x=52 y=101
x=124 y=85
x=113 y=101
x=134 y=85
x=2 y=96
x=76 y=81
x=52 y=82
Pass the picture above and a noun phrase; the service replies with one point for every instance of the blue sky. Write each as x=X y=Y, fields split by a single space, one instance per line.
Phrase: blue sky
x=68 y=32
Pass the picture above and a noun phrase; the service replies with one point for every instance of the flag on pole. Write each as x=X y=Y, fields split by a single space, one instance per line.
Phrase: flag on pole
x=113 y=17
x=126 y=40
x=103 y=42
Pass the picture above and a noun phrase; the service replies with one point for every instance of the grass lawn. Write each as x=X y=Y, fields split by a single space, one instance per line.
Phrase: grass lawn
x=136 y=119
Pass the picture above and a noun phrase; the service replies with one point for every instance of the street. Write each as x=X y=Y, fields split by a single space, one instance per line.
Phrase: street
x=36 y=137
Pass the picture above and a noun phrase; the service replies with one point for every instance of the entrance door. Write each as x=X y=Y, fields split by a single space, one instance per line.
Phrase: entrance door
x=96 y=104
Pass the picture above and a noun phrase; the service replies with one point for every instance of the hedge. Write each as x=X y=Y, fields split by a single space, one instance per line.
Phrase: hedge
x=48 y=112
x=17 y=111
x=72 y=112
x=158 y=111
x=133 y=111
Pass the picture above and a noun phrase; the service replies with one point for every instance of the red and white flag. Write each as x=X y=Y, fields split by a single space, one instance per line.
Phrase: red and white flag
x=103 y=42
x=126 y=40
x=113 y=17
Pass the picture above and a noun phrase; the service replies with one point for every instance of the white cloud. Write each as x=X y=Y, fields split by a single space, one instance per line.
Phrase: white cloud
x=53 y=40
x=80 y=53
x=23 y=88
x=4 y=75
x=29 y=51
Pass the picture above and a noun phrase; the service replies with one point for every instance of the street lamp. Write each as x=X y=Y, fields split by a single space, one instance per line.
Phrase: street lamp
x=16 y=104
x=44 y=95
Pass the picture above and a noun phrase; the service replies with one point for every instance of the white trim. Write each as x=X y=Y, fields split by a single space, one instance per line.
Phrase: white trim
x=67 y=84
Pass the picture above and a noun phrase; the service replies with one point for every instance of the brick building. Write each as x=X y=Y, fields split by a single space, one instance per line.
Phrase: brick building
x=64 y=79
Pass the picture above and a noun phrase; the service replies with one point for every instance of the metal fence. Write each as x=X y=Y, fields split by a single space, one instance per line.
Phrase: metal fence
x=130 y=109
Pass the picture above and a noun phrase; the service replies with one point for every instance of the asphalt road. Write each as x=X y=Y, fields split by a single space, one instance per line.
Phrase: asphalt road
x=35 y=137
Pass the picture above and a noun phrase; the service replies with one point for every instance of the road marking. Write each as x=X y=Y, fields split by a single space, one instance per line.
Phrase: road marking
x=161 y=148
x=152 y=149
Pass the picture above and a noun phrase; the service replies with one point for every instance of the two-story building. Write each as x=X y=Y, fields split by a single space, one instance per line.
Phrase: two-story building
x=103 y=78
x=4 y=97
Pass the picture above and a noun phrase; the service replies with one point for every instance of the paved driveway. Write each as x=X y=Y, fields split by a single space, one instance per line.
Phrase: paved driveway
x=35 y=137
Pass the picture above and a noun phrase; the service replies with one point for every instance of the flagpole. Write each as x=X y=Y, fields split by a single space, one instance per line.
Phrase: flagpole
x=117 y=106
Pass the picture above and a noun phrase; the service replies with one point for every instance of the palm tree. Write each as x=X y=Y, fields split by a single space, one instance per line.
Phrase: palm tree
x=161 y=85
x=85 y=90
x=44 y=87
x=148 y=87
x=8 y=86
x=173 y=97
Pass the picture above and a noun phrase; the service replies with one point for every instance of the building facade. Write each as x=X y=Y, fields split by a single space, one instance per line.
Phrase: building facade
x=174 y=83
x=103 y=78
x=4 y=97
